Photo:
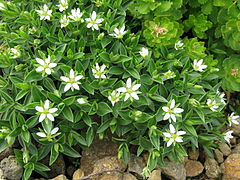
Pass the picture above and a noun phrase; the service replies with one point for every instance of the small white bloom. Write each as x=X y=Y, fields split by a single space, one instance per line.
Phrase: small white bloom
x=232 y=119
x=228 y=136
x=119 y=33
x=71 y=81
x=15 y=53
x=45 y=13
x=82 y=101
x=172 y=136
x=93 y=22
x=130 y=90
x=169 y=75
x=99 y=71
x=221 y=96
x=144 y=52
x=64 y=21
x=212 y=104
x=46 y=111
x=171 y=111
x=198 y=65
x=50 y=135
x=114 y=97
x=179 y=45
x=45 y=65
x=2 y=6
x=63 y=5
x=76 y=15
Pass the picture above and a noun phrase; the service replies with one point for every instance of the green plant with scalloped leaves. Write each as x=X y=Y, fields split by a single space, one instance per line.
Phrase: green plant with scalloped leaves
x=162 y=31
x=194 y=48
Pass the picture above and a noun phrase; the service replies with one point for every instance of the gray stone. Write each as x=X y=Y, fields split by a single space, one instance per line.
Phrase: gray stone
x=7 y=152
x=136 y=164
x=232 y=167
x=236 y=149
x=12 y=170
x=212 y=168
x=193 y=168
x=174 y=170
x=2 y=175
x=60 y=177
x=218 y=155
x=225 y=149
x=156 y=175
x=193 y=155
x=78 y=174
x=128 y=176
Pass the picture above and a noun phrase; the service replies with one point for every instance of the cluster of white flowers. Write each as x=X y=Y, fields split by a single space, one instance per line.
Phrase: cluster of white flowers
x=179 y=45
x=93 y=22
x=212 y=104
x=44 y=13
x=144 y=52
x=228 y=136
x=15 y=53
x=173 y=136
x=45 y=111
x=45 y=65
x=119 y=33
x=99 y=71
x=48 y=136
x=198 y=65
x=233 y=119
x=171 y=111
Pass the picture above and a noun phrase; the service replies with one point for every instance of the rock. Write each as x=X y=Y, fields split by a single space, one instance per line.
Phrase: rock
x=212 y=168
x=2 y=175
x=98 y=150
x=236 y=129
x=232 y=167
x=155 y=175
x=12 y=170
x=193 y=155
x=7 y=152
x=218 y=155
x=60 y=177
x=57 y=168
x=193 y=168
x=174 y=170
x=236 y=149
x=78 y=174
x=71 y=170
x=128 y=176
x=225 y=149
x=136 y=165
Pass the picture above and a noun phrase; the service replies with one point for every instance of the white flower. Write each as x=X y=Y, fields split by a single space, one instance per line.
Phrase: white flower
x=63 y=4
x=2 y=6
x=119 y=33
x=46 y=111
x=82 y=101
x=228 y=136
x=179 y=45
x=48 y=136
x=233 y=119
x=45 y=13
x=99 y=71
x=130 y=90
x=171 y=111
x=72 y=81
x=144 y=52
x=45 y=65
x=212 y=104
x=15 y=53
x=93 y=22
x=64 y=21
x=221 y=96
x=114 y=97
x=169 y=75
x=76 y=15
x=198 y=65
x=172 y=136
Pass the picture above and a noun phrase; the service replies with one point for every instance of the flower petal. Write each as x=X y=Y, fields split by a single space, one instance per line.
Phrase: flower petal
x=167 y=134
x=39 y=108
x=172 y=104
x=169 y=143
x=129 y=83
x=65 y=79
x=178 y=139
x=75 y=86
x=50 y=117
x=173 y=117
x=134 y=95
x=46 y=104
x=40 y=61
x=172 y=129
x=179 y=133
x=136 y=87
x=165 y=108
x=67 y=87
x=39 y=69
x=52 y=65
x=77 y=78
x=94 y=15
x=178 y=110
x=52 y=110
x=166 y=116
x=122 y=89
x=41 y=134
x=48 y=71
x=54 y=131
x=71 y=74
x=126 y=96
x=42 y=117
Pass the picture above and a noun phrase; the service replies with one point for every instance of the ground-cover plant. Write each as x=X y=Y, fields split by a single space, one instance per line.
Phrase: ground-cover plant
x=75 y=70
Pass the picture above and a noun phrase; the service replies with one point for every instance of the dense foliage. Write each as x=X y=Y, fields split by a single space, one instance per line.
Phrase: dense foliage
x=146 y=71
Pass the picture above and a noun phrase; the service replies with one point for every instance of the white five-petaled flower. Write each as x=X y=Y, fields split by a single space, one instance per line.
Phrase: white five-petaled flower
x=64 y=21
x=45 y=65
x=144 y=52
x=46 y=111
x=114 y=97
x=93 y=22
x=48 y=135
x=179 y=45
x=130 y=90
x=198 y=65
x=233 y=119
x=76 y=15
x=99 y=71
x=172 y=136
x=82 y=101
x=228 y=136
x=171 y=111
x=72 y=81
x=212 y=104
x=63 y=5
x=119 y=33
x=45 y=13
x=15 y=53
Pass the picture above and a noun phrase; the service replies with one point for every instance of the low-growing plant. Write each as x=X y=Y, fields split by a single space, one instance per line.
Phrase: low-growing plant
x=72 y=71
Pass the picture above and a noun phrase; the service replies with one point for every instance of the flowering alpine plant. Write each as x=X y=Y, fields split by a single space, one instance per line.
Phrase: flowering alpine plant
x=74 y=71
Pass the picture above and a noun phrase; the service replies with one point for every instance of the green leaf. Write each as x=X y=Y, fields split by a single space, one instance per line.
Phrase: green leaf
x=88 y=88
x=21 y=94
x=69 y=101
x=115 y=70
x=103 y=109
x=41 y=167
x=158 y=98
x=6 y=97
x=104 y=126
x=54 y=154
x=133 y=72
x=28 y=169
x=69 y=151
x=33 y=76
x=79 y=138
x=89 y=136
x=67 y=113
